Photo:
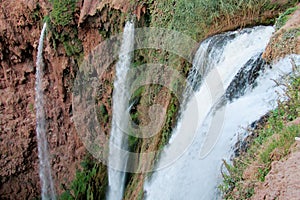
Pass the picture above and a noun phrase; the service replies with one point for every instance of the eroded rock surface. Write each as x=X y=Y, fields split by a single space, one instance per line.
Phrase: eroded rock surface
x=283 y=181
x=20 y=27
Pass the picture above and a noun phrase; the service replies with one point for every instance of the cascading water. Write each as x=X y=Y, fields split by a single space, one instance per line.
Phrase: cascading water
x=48 y=190
x=118 y=140
x=243 y=94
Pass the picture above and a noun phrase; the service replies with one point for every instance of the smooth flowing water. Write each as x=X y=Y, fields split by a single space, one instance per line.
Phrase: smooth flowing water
x=118 y=139
x=233 y=87
x=48 y=190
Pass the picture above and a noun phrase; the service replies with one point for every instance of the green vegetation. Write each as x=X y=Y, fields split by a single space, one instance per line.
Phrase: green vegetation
x=68 y=37
x=89 y=183
x=170 y=122
x=62 y=29
x=273 y=142
x=62 y=12
x=36 y=13
x=73 y=46
x=198 y=19
x=205 y=17
x=102 y=114
x=132 y=143
x=31 y=107
x=283 y=18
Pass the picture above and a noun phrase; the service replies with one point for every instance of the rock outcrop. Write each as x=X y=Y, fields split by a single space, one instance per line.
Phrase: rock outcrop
x=282 y=181
x=286 y=40
x=90 y=7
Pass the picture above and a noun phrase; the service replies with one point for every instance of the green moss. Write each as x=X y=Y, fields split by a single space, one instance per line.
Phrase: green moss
x=197 y=17
x=47 y=20
x=62 y=12
x=31 y=107
x=73 y=47
x=138 y=93
x=102 y=114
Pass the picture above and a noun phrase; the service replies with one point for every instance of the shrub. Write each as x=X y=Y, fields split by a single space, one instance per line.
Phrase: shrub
x=89 y=183
x=73 y=47
x=62 y=12
x=102 y=114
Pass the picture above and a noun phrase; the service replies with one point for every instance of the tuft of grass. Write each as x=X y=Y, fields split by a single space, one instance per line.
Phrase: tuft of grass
x=31 y=107
x=273 y=142
x=283 y=18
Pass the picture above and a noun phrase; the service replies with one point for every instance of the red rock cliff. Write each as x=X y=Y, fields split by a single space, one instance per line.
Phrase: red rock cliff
x=20 y=26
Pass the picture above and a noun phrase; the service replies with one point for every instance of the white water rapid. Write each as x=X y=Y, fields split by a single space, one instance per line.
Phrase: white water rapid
x=117 y=160
x=233 y=88
x=48 y=190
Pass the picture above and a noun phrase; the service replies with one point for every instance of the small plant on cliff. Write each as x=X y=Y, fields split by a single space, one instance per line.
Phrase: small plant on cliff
x=62 y=29
x=73 y=46
x=102 y=114
x=89 y=183
x=62 y=12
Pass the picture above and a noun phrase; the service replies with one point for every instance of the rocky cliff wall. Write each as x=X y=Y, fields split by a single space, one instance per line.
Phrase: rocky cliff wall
x=91 y=22
x=20 y=26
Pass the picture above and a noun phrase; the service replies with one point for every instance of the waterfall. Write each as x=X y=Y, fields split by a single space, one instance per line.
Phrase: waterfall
x=228 y=77
x=48 y=191
x=118 y=141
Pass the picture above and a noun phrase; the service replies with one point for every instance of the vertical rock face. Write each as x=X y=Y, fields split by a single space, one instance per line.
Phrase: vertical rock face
x=19 y=35
x=20 y=25
x=19 y=175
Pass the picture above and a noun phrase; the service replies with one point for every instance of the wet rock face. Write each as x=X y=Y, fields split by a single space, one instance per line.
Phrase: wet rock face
x=245 y=78
x=20 y=26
